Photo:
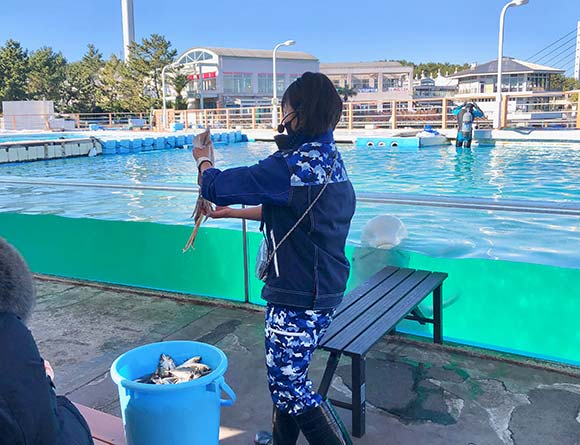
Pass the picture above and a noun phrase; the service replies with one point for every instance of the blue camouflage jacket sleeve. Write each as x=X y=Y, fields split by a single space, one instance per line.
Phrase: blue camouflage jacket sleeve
x=267 y=182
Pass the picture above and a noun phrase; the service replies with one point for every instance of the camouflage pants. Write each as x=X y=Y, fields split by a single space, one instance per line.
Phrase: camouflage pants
x=292 y=335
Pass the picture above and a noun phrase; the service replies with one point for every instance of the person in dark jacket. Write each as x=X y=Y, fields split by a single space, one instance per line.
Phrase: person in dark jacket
x=305 y=202
x=466 y=115
x=30 y=411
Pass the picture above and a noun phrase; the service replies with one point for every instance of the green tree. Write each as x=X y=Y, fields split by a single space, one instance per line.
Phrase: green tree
x=93 y=60
x=14 y=69
x=559 y=82
x=79 y=91
x=47 y=75
x=432 y=68
x=346 y=92
x=179 y=82
x=110 y=92
x=143 y=80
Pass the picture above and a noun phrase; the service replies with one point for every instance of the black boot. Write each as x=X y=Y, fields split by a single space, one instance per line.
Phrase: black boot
x=322 y=426
x=285 y=430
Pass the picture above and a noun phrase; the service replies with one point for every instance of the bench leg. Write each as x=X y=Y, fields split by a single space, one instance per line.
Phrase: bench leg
x=331 y=366
x=437 y=315
x=358 y=395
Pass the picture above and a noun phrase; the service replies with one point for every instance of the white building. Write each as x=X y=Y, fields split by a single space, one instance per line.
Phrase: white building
x=373 y=81
x=518 y=76
x=434 y=87
x=227 y=77
x=528 y=86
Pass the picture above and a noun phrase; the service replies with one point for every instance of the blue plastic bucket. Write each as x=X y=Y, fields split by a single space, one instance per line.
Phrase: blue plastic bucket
x=187 y=413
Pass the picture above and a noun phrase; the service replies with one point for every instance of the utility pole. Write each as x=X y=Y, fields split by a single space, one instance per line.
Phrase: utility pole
x=128 y=26
x=577 y=58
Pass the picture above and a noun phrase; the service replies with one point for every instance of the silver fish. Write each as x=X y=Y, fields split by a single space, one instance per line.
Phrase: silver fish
x=192 y=360
x=167 y=373
x=165 y=365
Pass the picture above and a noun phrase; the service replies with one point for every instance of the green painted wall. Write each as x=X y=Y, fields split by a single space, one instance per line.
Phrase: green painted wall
x=518 y=307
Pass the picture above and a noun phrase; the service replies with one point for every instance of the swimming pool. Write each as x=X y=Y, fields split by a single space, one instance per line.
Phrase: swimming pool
x=512 y=171
x=16 y=137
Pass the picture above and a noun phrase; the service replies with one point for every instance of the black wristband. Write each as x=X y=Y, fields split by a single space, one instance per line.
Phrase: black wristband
x=203 y=162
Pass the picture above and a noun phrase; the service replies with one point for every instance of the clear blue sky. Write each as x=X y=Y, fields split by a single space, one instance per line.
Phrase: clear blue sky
x=353 y=30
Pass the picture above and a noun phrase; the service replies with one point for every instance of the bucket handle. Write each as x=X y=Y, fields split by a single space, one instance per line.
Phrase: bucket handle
x=229 y=391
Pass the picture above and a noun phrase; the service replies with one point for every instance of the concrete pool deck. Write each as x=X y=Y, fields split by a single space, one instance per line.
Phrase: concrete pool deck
x=418 y=393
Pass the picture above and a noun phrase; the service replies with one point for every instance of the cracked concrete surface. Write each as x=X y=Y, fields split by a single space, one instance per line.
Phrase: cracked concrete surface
x=416 y=394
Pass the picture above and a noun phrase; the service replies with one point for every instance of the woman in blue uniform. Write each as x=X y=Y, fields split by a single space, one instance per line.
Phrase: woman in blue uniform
x=305 y=202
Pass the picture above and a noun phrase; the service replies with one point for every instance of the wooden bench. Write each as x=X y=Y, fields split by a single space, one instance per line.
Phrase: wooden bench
x=369 y=312
x=105 y=429
x=108 y=430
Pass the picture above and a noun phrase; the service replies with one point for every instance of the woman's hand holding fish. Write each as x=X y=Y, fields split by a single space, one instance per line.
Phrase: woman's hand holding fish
x=222 y=212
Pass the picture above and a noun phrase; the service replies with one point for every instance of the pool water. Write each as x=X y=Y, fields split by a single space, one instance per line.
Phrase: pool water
x=39 y=137
x=512 y=171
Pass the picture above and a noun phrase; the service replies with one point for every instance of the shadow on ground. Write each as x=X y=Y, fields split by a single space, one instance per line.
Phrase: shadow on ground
x=416 y=394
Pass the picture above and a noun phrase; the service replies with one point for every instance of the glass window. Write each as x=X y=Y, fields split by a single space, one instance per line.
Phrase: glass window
x=265 y=83
x=339 y=80
x=365 y=83
x=538 y=82
x=237 y=83
x=395 y=82
x=209 y=82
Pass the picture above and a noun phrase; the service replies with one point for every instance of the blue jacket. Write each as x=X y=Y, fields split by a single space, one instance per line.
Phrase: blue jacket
x=30 y=411
x=310 y=269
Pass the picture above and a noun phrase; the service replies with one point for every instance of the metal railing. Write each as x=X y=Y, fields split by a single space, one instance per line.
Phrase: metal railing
x=448 y=202
x=535 y=110
x=540 y=110
x=70 y=121
x=503 y=205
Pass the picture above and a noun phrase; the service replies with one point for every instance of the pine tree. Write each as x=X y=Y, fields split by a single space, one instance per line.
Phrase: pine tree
x=109 y=93
x=47 y=75
x=14 y=68
x=79 y=91
x=179 y=82
x=143 y=80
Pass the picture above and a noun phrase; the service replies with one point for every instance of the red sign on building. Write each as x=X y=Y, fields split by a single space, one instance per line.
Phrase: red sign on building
x=211 y=75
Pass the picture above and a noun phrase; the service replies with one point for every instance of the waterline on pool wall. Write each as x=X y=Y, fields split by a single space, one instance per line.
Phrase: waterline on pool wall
x=22 y=148
x=51 y=149
x=526 y=308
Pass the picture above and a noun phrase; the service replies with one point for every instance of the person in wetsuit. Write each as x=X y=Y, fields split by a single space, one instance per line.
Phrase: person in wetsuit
x=466 y=114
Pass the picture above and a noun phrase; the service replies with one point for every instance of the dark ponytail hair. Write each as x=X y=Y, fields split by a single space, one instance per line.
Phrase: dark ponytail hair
x=316 y=101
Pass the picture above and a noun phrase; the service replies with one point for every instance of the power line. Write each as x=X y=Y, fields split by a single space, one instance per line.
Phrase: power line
x=562 y=52
x=573 y=39
x=568 y=66
x=553 y=43
x=566 y=57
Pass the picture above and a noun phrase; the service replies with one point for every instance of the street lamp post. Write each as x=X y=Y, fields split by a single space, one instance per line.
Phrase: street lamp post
x=498 y=110
x=274 y=82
